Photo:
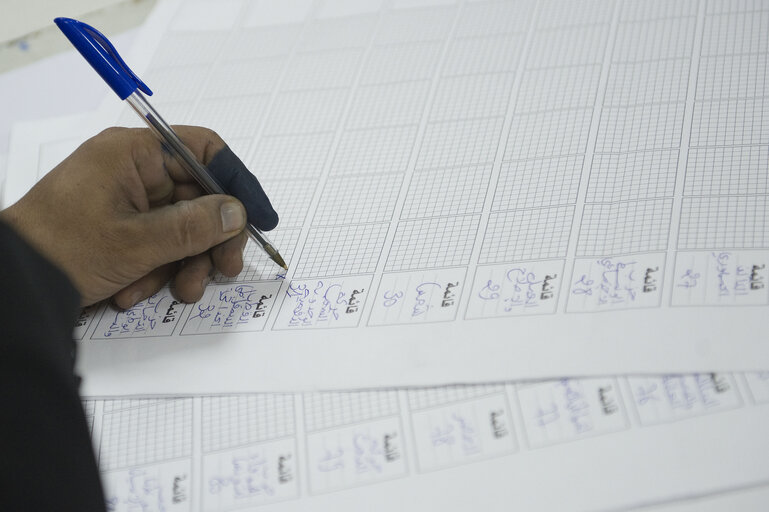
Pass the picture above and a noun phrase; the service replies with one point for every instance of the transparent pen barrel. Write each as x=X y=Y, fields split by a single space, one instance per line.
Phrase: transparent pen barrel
x=176 y=147
x=173 y=143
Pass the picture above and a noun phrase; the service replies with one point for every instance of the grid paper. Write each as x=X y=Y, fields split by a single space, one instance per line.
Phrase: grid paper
x=620 y=228
x=640 y=128
x=498 y=54
x=739 y=170
x=291 y=198
x=179 y=49
x=527 y=234
x=326 y=410
x=733 y=76
x=323 y=70
x=377 y=126
x=433 y=243
x=401 y=63
x=341 y=250
x=415 y=25
x=655 y=9
x=469 y=96
x=625 y=176
x=558 y=88
x=388 y=104
x=546 y=134
x=259 y=43
x=356 y=199
x=145 y=435
x=379 y=150
x=571 y=46
x=636 y=83
x=738 y=33
x=724 y=222
x=236 y=79
x=425 y=398
x=455 y=143
x=128 y=403
x=334 y=34
x=725 y=6
x=232 y=117
x=721 y=123
x=440 y=192
x=173 y=84
x=287 y=156
x=656 y=39
x=297 y=112
x=556 y=13
x=231 y=421
x=538 y=183
x=491 y=18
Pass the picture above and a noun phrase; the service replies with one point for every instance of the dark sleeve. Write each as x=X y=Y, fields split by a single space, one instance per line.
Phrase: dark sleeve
x=46 y=458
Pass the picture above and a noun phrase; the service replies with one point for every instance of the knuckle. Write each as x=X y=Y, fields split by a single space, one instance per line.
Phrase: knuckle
x=195 y=227
x=210 y=135
x=187 y=226
x=213 y=143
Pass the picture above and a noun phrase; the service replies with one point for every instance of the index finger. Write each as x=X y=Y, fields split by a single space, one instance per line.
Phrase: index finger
x=231 y=173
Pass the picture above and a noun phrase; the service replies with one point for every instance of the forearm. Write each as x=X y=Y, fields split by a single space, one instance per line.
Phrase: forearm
x=47 y=462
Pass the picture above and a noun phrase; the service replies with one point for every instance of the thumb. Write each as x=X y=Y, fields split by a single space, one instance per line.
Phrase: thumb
x=187 y=228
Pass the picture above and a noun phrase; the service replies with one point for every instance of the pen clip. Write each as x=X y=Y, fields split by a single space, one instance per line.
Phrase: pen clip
x=102 y=56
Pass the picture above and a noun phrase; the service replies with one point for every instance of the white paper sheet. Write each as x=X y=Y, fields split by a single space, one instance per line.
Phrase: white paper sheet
x=658 y=443
x=469 y=192
x=593 y=444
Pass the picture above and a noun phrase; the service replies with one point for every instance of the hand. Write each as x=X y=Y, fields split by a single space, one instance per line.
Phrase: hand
x=121 y=217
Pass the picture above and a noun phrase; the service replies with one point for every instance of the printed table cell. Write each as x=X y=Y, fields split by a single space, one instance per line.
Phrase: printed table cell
x=463 y=432
x=569 y=409
x=516 y=289
x=232 y=307
x=251 y=475
x=418 y=297
x=155 y=316
x=152 y=488
x=721 y=278
x=356 y=455
x=323 y=303
x=672 y=397
x=617 y=282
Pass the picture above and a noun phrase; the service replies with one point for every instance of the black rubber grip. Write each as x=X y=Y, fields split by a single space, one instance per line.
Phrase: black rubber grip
x=238 y=181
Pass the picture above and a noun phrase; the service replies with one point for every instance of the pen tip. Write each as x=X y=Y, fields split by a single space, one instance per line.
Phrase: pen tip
x=279 y=260
x=275 y=256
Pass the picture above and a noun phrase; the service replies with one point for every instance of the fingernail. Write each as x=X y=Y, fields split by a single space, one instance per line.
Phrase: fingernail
x=233 y=217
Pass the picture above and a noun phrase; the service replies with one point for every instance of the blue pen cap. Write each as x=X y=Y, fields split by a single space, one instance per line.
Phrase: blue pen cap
x=102 y=56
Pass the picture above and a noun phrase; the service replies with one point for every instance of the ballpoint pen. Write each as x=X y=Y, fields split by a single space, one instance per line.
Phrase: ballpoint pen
x=102 y=56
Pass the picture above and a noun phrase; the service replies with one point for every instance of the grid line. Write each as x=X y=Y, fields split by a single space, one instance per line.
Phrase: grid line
x=432 y=243
x=538 y=183
x=440 y=192
x=621 y=228
x=231 y=421
x=724 y=222
x=341 y=250
x=327 y=410
x=518 y=235
x=146 y=435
